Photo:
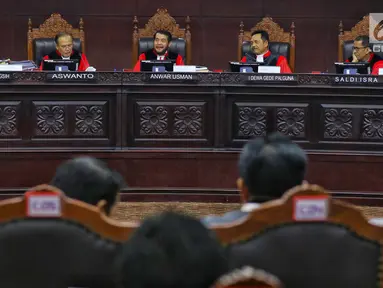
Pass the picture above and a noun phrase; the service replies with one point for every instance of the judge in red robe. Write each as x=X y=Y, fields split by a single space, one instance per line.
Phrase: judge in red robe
x=363 y=53
x=160 y=51
x=260 y=52
x=64 y=51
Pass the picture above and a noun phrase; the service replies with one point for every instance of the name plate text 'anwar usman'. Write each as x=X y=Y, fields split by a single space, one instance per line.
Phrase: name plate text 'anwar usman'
x=171 y=77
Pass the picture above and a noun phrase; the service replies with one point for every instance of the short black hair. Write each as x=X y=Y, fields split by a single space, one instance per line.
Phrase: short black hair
x=264 y=34
x=89 y=180
x=365 y=40
x=164 y=32
x=172 y=250
x=270 y=166
x=61 y=35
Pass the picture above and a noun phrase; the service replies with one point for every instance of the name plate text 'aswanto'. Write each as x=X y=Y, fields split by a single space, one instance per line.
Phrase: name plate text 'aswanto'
x=71 y=77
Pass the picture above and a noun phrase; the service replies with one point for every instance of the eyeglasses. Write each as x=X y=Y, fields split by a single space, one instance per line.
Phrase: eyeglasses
x=359 y=48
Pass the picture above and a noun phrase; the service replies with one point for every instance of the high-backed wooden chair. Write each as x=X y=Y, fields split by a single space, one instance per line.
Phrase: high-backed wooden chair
x=247 y=277
x=346 y=38
x=82 y=213
x=55 y=241
x=281 y=42
x=143 y=37
x=41 y=39
x=307 y=237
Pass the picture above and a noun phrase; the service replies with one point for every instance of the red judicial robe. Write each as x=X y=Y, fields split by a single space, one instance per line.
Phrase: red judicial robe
x=152 y=55
x=56 y=55
x=375 y=61
x=269 y=60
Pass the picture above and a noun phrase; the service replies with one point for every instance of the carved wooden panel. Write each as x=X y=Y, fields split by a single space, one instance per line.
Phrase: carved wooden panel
x=257 y=119
x=90 y=120
x=188 y=120
x=252 y=120
x=153 y=120
x=338 y=123
x=173 y=121
x=71 y=121
x=50 y=120
x=360 y=123
x=9 y=123
x=291 y=121
x=372 y=125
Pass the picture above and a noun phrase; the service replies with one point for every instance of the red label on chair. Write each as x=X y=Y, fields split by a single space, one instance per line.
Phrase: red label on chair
x=42 y=204
x=310 y=208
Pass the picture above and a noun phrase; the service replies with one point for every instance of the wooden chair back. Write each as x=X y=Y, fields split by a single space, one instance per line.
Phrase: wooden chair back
x=161 y=20
x=304 y=206
x=282 y=211
x=347 y=37
x=82 y=213
x=50 y=28
x=276 y=34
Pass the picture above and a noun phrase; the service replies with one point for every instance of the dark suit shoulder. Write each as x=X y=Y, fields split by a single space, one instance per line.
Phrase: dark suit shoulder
x=172 y=55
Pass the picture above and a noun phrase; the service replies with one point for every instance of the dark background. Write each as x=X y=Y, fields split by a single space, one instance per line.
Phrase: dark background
x=214 y=27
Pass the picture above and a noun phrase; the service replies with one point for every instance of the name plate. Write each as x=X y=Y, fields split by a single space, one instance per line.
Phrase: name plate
x=70 y=77
x=171 y=77
x=6 y=76
x=310 y=208
x=357 y=80
x=266 y=78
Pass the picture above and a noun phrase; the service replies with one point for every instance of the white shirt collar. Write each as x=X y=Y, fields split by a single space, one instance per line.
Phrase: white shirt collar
x=248 y=207
x=260 y=57
x=65 y=58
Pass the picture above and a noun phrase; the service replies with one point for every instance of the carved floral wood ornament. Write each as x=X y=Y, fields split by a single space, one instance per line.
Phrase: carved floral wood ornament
x=161 y=20
x=276 y=34
x=361 y=28
x=50 y=28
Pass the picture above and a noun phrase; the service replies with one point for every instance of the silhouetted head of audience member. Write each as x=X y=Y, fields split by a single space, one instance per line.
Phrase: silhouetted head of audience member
x=270 y=166
x=89 y=180
x=172 y=251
